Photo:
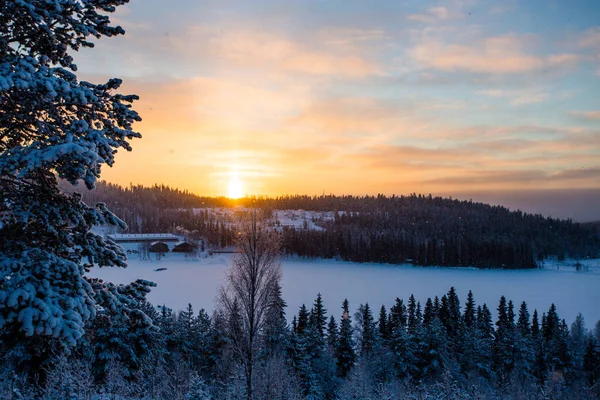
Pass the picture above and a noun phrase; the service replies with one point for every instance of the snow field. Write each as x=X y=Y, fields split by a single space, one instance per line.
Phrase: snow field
x=197 y=281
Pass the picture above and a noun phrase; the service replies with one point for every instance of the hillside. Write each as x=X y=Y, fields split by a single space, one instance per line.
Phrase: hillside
x=423 y=230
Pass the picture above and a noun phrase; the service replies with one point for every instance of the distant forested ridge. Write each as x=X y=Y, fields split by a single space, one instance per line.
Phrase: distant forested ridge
x=423 y=230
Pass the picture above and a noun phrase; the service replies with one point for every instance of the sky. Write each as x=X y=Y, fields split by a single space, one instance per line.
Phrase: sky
x=494 y=101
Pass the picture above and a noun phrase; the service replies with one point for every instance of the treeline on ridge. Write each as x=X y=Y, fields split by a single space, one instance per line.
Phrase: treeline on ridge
x=424 y=230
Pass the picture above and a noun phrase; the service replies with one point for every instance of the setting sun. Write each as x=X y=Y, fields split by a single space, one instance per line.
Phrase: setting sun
x=235 y=187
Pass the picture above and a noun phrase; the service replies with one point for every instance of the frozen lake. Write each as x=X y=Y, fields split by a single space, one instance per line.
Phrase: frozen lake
x=196 y=282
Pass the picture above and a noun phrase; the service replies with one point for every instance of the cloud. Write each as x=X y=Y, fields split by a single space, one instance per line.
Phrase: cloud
x=493 y=55
x=521 y=179
x=517 y=97
x=590 y=38
x=352 y=39
x=355 y=115
x=580 y=173
x=434 y=14
x=587 y=115
x=270 y=51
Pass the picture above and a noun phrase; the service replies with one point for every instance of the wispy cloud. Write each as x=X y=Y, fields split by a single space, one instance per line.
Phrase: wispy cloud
x=587 y=115
x=269 y=51
x=590 y=39
x=518 y=97
x=433 y=14
x=494 y=55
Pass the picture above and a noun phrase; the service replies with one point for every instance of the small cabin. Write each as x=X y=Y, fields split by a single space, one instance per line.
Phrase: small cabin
x=184 y=247
x=158 y=247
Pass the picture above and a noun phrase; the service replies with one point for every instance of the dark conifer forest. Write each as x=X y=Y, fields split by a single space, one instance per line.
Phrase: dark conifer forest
x=446 y=348
x=422 y=230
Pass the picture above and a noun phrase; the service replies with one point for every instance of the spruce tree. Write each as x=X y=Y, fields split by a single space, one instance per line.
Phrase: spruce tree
x=502 y=322
x=412 y=314
x=535 y=325
x=332 y=334
x=510 y=314
x=185 y=335
x=382 y=324
x=551 y=324
x=368 y=336
x=428 y=313
x=578 y=335
x=55 y=127
x=484 y=321
x=398 y=315
x=484 y=343
x=431 y=350
x=198 y=389
x=454 y=312
x=276 y=329
x=209 y=341
x=402 y=352
x=345 y=355
x=469 y=315
x=318 y=316
x=303 y=320
x=130 y=338
x=523 y=324
x=524 y=346
x=444 y=313
x=418 y=316
x=436 y=306
x=591 y=361
x=504 y=342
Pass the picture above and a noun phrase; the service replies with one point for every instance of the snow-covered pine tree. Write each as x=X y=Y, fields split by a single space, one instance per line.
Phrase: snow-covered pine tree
x=428 y=314
x=332 y=334
x=198 y=389
x=524 y=352
x=186 y=336
x=523 y=324
x=504 y=341
x=367 y=330
x=591 y=361
x=469 y=316
x=402 y=352
x=412 y=309
x=303 y=319
x=53 y=126
x=318 y=315
x=453 y=312
x=535 y=324
x=485 y=337
x=131 y=338
x=397 y=316
x=382 y=324
x=578 y=333
x=345 y=353
x=276 y=329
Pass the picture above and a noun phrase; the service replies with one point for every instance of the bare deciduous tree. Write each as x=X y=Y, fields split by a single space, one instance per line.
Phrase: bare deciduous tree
x=246 y=296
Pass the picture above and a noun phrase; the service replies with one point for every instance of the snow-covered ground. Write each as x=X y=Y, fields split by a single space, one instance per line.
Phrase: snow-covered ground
x=298 y=219
x=196 y=281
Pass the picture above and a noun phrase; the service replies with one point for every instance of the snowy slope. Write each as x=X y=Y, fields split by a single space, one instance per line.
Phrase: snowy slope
x=298 y=219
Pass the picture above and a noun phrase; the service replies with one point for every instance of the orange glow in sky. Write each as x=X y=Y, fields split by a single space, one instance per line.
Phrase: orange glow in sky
x=398 y=98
